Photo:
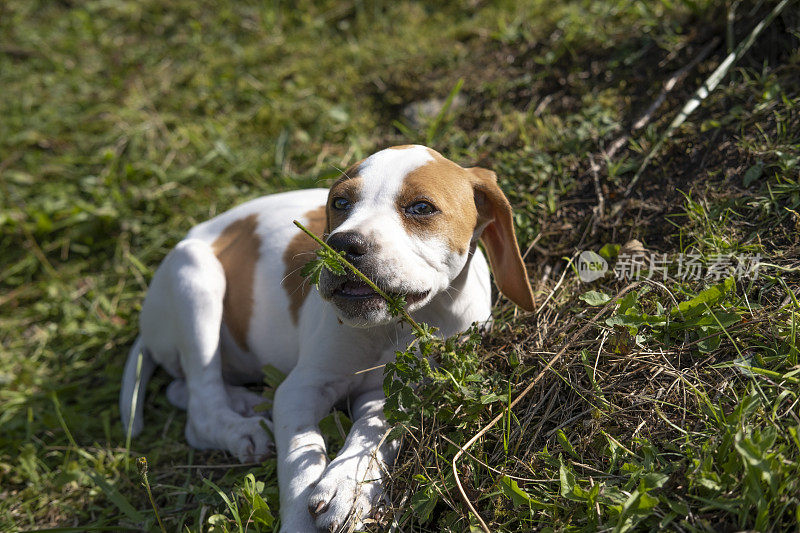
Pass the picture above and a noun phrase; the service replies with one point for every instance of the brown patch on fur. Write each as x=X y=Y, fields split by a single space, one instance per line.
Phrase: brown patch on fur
x=300 y=250
x=449 y=188
x=401 y=147
x=237 y=249
x=499 y=239
x=468 y=199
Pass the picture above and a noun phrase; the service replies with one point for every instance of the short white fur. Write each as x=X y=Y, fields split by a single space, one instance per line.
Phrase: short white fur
x=182 y=329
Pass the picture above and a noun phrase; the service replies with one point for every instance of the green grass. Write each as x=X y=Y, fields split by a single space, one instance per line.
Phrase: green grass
x=122 y=124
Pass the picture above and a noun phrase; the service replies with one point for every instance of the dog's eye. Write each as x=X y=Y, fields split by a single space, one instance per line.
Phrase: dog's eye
x=340 y=203
x=421 y=209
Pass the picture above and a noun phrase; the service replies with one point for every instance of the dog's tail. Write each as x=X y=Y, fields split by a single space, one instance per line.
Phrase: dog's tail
x=138 y=369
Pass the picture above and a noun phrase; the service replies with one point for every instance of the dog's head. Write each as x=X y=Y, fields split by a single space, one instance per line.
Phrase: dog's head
x=409 y=219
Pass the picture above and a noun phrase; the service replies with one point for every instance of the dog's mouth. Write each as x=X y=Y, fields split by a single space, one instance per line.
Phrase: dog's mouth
x=355 y=290
x=359 y=291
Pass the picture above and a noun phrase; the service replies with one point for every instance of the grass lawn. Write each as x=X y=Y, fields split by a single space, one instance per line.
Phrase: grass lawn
x=671 y=401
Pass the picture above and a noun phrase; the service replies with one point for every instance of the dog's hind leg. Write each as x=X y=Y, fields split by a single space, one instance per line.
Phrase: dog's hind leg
x=242 y=400
x=248 y=403
x=178 y=394
x=188 y=290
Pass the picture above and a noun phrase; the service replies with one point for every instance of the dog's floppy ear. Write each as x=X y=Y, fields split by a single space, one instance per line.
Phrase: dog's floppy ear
x=496 y=230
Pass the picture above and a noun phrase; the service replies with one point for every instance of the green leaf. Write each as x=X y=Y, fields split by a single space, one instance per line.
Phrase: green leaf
x=710 y=319
x=332 y=261
x=259 y=509
x=640 y=504
x=565 y=444
x=647 y=502
x=708 y=297
x=753 y=173
x=609 y=251
x=218 y=523
x=654 y=480
x=511 y=490
x=710 y=344
x=423 y=503
x=396 y=305
x=491 y=398
x=678 y=507
x=231 y=504
x=272 y=376
x=595 y=298
x=755 y=457
x=627 y=302
x=567 y=480
x=325 y=259
x=312 y=270
x=569 y=489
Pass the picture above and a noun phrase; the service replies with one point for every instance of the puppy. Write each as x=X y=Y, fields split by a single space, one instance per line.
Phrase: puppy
x=230 y=299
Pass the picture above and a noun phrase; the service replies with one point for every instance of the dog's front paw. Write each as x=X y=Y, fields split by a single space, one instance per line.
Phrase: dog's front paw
x=340 y=502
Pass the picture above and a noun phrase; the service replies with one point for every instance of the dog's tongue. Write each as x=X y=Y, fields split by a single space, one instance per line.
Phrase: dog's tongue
x=357 y=288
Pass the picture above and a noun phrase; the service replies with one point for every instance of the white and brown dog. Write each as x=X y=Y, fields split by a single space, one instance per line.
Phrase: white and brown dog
x=229 y=299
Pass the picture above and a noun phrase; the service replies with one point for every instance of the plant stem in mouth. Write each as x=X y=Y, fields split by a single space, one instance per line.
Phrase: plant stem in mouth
x=391 y=301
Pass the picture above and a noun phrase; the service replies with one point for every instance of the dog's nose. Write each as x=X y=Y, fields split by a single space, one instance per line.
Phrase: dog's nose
x=353 y=244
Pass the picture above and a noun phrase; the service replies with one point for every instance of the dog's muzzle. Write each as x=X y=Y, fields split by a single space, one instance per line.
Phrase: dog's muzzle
x=349 y=293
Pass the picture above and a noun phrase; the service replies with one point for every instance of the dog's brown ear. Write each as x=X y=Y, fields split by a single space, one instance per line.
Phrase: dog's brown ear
x=497 y=226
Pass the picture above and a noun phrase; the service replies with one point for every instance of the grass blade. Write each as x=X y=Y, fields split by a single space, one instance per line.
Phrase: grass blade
x=433 y=129
x=116 y=498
